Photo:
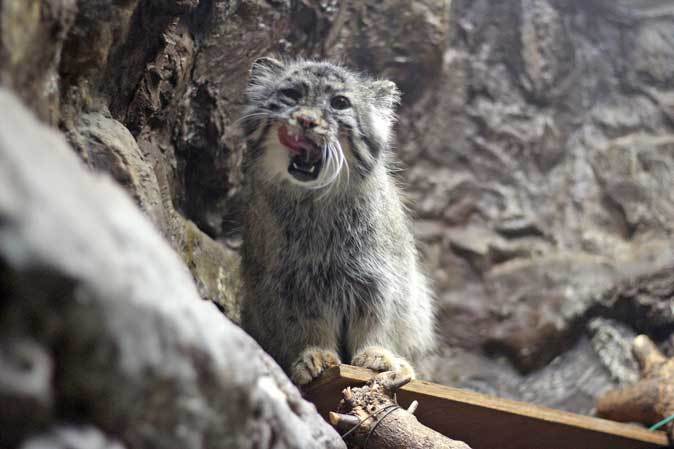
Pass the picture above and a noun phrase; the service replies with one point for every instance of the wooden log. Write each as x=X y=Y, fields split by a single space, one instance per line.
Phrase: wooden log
x=486 y=422
x=370 y=418
x=649 y=401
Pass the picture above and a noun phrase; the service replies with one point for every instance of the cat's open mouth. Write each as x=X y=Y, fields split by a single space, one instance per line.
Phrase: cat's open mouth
x=304 y=170
x=306 y=161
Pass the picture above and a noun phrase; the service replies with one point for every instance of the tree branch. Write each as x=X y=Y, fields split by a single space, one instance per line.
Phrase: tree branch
x=373 y=420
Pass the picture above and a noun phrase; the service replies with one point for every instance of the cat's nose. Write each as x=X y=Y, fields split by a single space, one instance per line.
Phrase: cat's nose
x=306 y=122
x=307 y=119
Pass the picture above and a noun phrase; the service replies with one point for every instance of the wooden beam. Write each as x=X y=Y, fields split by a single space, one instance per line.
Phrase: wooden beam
x=486 y=422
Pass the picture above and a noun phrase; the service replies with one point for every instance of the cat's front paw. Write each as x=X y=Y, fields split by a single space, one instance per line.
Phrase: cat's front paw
x=380 y=359
x=311 y=363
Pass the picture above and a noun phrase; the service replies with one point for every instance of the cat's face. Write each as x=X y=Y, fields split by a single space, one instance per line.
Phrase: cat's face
x=315 y=124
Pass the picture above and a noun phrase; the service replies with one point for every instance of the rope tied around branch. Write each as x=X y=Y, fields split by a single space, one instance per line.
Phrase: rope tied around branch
x=392 y=408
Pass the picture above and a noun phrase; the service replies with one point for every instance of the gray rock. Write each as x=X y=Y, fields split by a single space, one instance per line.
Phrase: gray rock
x=71 y=438
x=109 y=147
x=26 y=398
x=111 y=317
x=32 y=37
x=75 y=61
x=545 y=183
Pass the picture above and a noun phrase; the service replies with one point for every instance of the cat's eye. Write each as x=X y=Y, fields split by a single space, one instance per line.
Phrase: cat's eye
x=294 y=94
x=340 y=102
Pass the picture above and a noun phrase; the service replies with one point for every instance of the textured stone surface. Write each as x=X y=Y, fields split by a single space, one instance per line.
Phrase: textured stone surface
x=539 y=162
x=537 y=138
x=71 y=438
x=101 y=323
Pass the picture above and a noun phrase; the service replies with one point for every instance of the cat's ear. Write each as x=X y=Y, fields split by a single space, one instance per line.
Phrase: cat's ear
x=385 y=93
x=264 y=67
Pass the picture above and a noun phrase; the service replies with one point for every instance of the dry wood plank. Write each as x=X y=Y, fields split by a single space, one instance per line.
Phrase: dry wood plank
x=486 y=422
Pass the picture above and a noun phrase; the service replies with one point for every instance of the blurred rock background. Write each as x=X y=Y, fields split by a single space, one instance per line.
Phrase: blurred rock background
x=537 y=138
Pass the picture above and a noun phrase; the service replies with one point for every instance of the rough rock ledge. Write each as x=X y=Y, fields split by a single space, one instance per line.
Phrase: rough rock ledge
x=104 y=341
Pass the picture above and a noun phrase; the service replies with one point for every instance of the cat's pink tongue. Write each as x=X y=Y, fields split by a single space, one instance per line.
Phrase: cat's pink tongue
x=296 y=143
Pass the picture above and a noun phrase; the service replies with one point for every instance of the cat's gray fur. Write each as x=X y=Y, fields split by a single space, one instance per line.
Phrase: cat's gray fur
x=330 y=270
